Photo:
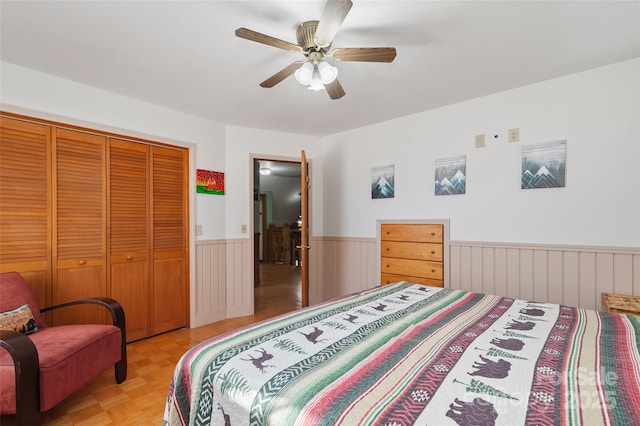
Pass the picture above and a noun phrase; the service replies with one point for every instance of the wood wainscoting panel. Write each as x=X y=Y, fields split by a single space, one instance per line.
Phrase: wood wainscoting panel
x=347 y=265
x=209 y=298
x=568 y=275
x=239 y=279
x=316 y=280
x=223 y=280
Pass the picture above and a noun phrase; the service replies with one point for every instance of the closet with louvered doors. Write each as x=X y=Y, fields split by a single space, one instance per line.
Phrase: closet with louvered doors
x=147 y=236
x=169 y=303
x=84 y=213
x=129 y=232
x=79 y=217
x=25 y=197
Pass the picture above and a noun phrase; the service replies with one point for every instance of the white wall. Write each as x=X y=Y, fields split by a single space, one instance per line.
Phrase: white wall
x=243 y=142
x=597 y=112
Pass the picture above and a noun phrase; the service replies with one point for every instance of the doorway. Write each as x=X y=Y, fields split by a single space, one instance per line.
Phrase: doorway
x=277 y=210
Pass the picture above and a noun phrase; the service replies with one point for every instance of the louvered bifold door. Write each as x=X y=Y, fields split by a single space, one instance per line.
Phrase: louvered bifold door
x=169 y=204
x=129 y=231
x=25 y=172
x=79 y=217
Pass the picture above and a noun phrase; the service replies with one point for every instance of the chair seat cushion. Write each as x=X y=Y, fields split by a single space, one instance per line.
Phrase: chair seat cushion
x=70 y=356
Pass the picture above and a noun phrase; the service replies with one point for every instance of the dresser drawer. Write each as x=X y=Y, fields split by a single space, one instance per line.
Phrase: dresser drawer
x=410 y=250
x=391 y=278
x=422 y=232
x=412 y=268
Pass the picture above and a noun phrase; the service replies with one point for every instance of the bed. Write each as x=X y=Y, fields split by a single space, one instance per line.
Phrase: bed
x=405 y=354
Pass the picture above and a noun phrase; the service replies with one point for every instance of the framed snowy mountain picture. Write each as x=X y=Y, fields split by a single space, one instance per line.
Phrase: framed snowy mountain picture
x=544 y=165
x=382 y=182
x=451 y=175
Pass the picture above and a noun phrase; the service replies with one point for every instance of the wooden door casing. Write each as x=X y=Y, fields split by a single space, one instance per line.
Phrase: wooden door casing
x=304 y=229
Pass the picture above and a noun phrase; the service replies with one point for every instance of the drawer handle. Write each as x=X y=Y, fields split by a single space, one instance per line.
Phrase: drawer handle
x=433 y=234
x=433 y=252
x=388 y=249
x=433 y=270
x=82 y=262
x=129 y=257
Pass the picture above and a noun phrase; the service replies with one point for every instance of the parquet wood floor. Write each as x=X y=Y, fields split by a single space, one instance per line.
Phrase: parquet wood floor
x=140 y=399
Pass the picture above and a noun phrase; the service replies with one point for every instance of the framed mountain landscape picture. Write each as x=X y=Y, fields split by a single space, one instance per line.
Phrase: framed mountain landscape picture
x=451 y=175
x=544 y=165
x=382 y=182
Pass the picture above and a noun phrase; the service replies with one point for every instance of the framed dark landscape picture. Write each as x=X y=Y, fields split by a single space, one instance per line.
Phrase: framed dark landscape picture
x=382 y=182
x=451 y=175
x=544 y=165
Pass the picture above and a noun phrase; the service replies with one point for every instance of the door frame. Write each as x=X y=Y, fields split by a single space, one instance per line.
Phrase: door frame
x=252 y=218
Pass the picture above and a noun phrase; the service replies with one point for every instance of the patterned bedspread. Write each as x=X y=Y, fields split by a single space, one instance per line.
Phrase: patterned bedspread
x=407 y=354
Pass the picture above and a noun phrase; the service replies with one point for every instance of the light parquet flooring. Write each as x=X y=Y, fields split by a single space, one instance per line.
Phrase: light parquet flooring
x=140 y=399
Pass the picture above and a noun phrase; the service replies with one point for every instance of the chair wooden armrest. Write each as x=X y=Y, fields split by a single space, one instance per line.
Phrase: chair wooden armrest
x=117 y=316
x=41 y=369
x=25 y=360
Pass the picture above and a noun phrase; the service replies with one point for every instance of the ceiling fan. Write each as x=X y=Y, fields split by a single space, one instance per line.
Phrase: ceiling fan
x=314 y=41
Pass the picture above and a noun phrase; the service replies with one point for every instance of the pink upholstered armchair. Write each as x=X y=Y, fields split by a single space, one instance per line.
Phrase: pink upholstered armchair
x=41 y=368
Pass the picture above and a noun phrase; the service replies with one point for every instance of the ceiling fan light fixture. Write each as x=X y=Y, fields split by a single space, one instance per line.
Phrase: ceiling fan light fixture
x=315 y=39
x=304 y=74
x=316 y=82
x=327 y=72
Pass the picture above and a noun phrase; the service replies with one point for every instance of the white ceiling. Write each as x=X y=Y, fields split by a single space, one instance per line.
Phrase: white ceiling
x=184 y=54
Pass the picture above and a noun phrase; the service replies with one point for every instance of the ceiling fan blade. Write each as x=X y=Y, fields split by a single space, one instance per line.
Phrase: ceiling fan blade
x=268 y=40
x=334 y=89
x=365 y=54
x=334 y=13
x=281 y=75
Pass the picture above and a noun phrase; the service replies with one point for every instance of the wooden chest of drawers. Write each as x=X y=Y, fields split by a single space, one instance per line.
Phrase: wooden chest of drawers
x=412 y=252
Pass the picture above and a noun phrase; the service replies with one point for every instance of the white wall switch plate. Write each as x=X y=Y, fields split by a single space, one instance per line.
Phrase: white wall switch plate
x=514 y=135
